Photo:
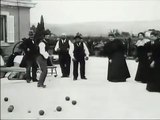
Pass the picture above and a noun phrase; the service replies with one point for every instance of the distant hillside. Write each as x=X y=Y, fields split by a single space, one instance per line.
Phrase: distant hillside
x=102 y=28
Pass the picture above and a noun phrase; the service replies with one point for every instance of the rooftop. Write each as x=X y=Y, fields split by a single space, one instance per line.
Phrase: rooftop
x=20 y=3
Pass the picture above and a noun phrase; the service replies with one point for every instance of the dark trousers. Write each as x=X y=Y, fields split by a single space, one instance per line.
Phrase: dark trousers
x=82 y=68
x=31 y=64
x=65 y=62
x=42 y=63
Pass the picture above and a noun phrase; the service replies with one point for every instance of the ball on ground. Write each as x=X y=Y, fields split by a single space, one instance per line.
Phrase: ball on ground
x=67 y=98
x=59 y=108
x=10 y=108
x=74 y=102
x=41 y=112
x=29 y=111
x=6 y=99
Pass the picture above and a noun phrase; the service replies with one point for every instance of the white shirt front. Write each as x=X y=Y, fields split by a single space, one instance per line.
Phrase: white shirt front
x=71 y=47
x=142 y=42
x=18 y=59
x=86 y=51
x=1 y=61
x=42 y=50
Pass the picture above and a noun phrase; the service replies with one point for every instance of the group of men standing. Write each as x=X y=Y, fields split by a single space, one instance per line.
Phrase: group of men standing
x=36 y=55
x=67 y=51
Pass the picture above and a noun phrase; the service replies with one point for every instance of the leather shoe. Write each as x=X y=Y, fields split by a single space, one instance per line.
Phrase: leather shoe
x=64 y=76
x=28 y=81
x=35 y=80
x=84 y=78
x=43 y=86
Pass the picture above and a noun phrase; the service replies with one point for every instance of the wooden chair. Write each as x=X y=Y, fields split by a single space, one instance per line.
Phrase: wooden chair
x=52 y=69
x=51 y=66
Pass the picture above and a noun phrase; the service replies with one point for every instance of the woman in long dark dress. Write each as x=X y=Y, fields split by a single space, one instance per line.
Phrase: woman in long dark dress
x=117 y=67
x=143 y=49
x=154 y=84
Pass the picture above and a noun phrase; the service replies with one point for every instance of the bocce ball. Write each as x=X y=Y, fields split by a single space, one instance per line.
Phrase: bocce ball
x=41 y=112
x=59 y=108
x=74 y=102
x=10 y=108
x=86 y=58
x=29 y=111
x=67 y=98
x=6 y=99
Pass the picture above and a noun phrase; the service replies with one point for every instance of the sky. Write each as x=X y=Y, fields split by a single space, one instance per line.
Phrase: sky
x=77 y=11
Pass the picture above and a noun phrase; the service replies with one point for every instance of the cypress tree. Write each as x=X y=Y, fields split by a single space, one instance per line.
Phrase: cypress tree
x=40 y=31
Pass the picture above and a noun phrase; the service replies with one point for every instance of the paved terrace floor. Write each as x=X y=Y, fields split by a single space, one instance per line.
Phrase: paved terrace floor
x=96 y=97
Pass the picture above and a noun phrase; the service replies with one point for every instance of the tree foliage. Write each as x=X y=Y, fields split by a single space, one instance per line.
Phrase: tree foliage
x=40 y=31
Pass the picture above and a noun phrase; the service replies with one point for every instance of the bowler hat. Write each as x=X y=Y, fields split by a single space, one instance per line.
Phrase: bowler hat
x=77 y=36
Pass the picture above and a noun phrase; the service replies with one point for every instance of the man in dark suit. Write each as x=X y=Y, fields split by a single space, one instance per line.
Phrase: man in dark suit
x=63 y=48
x=80 y=54
x=31 y=52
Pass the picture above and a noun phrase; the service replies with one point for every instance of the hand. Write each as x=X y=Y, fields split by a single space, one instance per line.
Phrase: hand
x=86 y=58
x=110 y=60
x=28 y=49
x=51 y=57
x=73 y=59
x=45 y=56
x=149 y=58
x=58 y=49
x=136 y=59
x=152 y=64
x=149 y=54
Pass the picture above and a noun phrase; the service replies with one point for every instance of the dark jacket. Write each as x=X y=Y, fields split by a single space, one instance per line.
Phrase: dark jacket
x=64 y=47
x=113 y=47
x=30 y=49
x=117 y=68
x=79 y=52
x=156 y=51
x=154 y=84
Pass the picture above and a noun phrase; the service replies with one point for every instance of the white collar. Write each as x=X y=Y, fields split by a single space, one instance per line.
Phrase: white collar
x=63 y=40
x=142 y=42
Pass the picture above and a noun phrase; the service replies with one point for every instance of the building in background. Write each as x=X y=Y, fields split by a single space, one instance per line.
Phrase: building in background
x=14 y=22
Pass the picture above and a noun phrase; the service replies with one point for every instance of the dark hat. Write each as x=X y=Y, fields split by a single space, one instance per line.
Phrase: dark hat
x=141 y=33
x=111 y=34
x=77 y=36
x=31 y=33
x=154 y=33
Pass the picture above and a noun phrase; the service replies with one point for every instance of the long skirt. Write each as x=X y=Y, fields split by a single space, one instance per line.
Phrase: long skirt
x=144 y=71
x=117 y=68
x=153 y=85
